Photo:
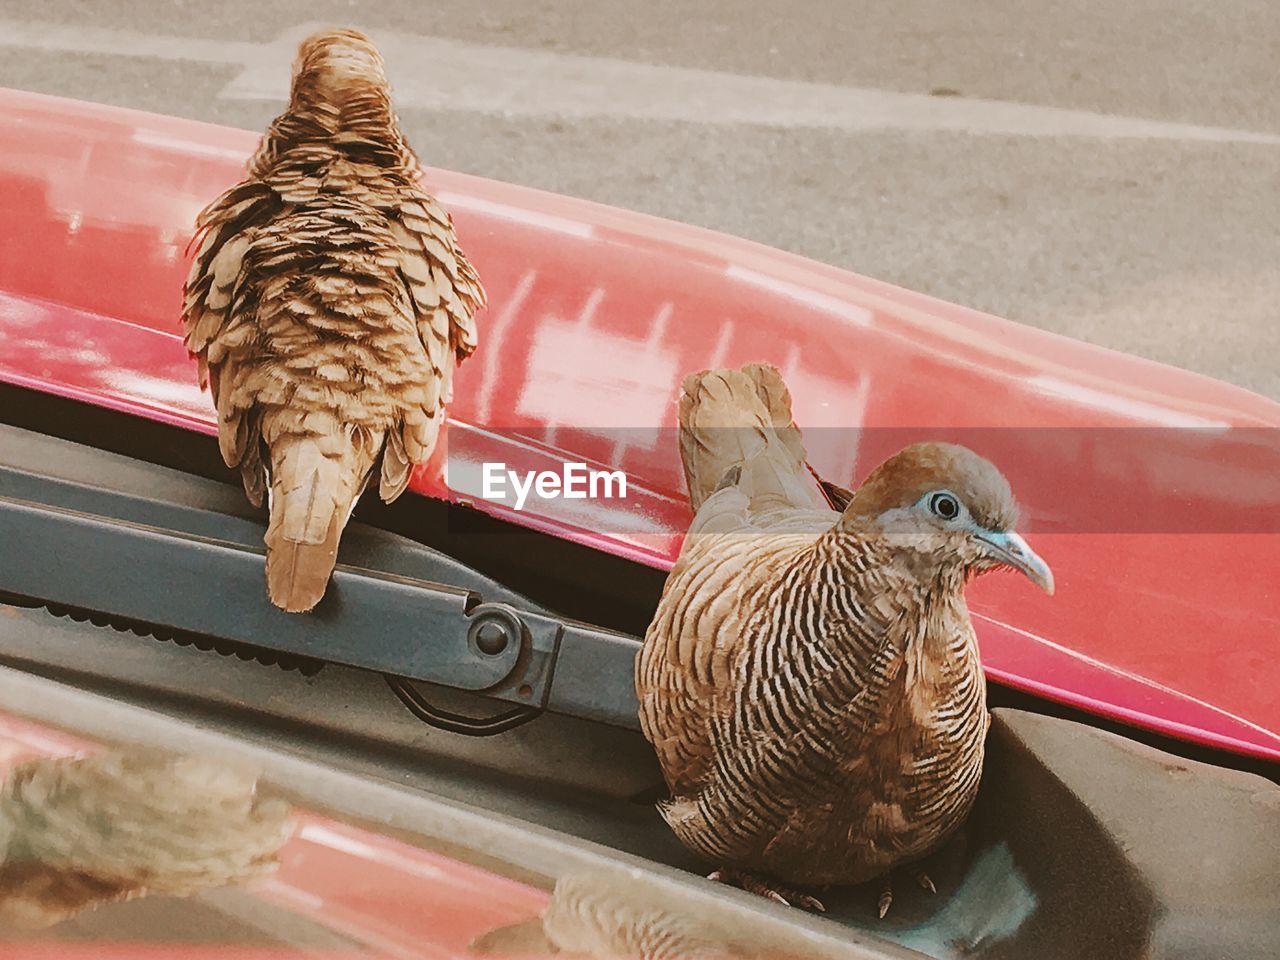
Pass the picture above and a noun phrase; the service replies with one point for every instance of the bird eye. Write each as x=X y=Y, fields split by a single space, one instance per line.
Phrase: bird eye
x=945 y=506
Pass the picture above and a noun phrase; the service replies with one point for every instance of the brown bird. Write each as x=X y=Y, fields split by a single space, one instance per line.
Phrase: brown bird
x=77 y=833
x=597 y=915
x=327 y=305
x=811 y=681
x=620 y=915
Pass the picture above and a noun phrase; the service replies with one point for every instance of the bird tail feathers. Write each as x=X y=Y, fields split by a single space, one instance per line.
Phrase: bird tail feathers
x=742 y=419
x=315 y=482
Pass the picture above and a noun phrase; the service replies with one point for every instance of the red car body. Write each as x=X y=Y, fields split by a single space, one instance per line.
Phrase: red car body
x=383 y=895
x=1151 y=491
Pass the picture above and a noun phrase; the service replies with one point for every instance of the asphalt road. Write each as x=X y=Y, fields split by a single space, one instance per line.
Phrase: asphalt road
x=1107 y=170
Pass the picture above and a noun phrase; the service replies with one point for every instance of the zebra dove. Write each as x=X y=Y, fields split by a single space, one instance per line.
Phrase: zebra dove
x=623 y=915
x=327 y=305
x=811 y=680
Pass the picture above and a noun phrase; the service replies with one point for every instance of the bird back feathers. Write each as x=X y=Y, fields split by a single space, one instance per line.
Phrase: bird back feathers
x=327 y=305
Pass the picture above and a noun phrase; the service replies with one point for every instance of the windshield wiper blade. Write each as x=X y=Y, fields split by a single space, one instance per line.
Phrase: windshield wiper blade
x=178 y=561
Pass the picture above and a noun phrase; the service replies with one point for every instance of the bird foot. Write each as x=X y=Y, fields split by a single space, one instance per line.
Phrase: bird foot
x=761 y=887
x=886 y=890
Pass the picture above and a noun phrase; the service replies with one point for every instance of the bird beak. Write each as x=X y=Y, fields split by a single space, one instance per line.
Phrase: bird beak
x=1011 y=550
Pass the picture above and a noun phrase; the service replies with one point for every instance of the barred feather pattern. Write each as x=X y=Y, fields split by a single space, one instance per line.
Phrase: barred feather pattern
x=817 y=708
x=327 y=305
x=590 y=917
x=616 y=915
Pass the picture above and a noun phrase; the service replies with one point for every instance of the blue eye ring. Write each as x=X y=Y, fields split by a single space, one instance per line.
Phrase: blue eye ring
x=944 y=505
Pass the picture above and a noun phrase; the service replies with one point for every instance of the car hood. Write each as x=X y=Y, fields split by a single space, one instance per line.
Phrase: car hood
x=1151 y=491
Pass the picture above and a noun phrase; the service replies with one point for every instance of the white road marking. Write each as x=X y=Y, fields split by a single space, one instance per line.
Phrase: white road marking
x=130 y=43
x=436 y=73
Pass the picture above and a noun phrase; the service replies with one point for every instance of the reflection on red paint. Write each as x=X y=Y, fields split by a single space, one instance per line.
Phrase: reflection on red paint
x=392 y=898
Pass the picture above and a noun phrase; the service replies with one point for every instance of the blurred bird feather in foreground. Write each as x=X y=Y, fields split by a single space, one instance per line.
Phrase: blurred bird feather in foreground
x=622 y=916
x=810 y=680
x=76 y=833
x=327 y=305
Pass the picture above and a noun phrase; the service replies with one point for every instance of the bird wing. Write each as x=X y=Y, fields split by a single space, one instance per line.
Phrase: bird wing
x=215 y=328
x=445 y=292
x=767 y=684
x=756 y=506
x=444 y=286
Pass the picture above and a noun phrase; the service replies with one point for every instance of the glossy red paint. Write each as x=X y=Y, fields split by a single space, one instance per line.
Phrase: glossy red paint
x=391 y=898
x=1151 y=491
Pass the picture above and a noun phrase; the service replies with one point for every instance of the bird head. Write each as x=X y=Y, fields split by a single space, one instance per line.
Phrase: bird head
x=334 y=64
x=950 y=510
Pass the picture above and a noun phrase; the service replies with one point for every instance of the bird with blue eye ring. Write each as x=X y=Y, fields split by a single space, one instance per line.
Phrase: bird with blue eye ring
x=811 y=681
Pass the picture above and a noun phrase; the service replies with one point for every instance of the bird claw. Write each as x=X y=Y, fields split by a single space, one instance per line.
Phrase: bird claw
x=925 y=881
x=886 y=898
x=886 y=891
x=805 y=902
x=768 y=889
